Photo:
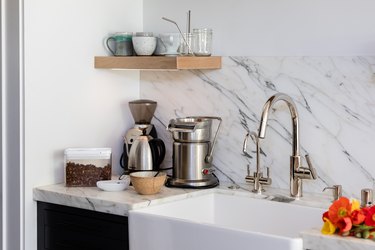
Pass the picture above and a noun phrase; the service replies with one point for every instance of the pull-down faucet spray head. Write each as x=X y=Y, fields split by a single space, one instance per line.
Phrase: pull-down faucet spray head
x=293 y=111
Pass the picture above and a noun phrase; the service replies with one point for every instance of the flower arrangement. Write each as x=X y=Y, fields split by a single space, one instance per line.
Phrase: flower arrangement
x=347 y=218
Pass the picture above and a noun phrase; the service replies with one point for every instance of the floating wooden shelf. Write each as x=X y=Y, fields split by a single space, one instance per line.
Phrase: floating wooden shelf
x=157 y=62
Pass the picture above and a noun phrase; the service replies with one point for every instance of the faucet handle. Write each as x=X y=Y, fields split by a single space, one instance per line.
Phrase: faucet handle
x=268 y=172
x=244 y=146
x=311 y=167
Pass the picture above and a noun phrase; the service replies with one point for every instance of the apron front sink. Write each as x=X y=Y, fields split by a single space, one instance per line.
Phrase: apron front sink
x=220 y=222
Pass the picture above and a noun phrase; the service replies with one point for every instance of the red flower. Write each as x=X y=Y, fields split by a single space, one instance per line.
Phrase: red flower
x=358 y=217
x=339 y=210
x=325 y=215
x=365 y=210
x=370 y=216
x=349 y=219
x=344 y=225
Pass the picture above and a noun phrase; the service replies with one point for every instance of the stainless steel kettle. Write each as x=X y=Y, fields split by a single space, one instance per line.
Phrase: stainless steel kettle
x=146 y=153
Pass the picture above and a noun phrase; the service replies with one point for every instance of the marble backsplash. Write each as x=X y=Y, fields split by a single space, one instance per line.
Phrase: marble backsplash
x=335 y=97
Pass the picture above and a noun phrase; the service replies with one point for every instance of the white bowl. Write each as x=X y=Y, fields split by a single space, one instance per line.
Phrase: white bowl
x=144 y=45
x=114 y=185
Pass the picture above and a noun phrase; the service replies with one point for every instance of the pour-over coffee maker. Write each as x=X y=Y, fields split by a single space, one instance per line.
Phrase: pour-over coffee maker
x=142 y=111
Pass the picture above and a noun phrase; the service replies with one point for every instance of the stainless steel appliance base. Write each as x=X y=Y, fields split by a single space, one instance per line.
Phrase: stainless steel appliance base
x=210 y=183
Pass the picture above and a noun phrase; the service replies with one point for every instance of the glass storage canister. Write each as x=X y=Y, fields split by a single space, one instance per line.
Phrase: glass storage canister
x=85 y=166
x=202 y=42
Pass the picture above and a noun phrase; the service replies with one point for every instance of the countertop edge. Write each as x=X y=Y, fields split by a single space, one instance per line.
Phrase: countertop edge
x=314 y=239
x=119 y=203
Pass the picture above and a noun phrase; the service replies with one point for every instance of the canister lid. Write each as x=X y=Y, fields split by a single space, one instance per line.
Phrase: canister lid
x=100 y=153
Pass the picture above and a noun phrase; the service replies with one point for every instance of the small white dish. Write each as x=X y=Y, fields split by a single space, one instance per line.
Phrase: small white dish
x=114 y=185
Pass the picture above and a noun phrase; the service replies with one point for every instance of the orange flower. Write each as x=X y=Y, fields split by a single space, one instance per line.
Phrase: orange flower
x=344 y=225
x=339 y=210
x=358 y=217
x=370 y=216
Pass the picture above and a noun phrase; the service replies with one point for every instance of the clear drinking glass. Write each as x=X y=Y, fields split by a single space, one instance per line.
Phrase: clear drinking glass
x=202 y=42
x=186 y=44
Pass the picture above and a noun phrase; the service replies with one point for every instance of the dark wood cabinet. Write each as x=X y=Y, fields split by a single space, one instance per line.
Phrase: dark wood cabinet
x=68 y=228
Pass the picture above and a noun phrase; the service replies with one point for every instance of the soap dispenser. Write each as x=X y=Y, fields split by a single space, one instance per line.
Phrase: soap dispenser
x=366 y=197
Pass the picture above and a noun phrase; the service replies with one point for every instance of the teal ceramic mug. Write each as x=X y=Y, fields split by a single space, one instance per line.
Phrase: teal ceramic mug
x=120 y=44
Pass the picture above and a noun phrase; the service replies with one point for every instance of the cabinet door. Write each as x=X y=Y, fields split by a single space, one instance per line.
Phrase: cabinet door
x=62 y=228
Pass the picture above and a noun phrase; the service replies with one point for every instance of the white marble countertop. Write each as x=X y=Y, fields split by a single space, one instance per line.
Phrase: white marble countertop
x=314 y=240
x=119 y=203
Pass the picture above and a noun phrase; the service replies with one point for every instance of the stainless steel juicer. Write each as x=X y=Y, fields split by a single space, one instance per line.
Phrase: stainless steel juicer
x=192 y=152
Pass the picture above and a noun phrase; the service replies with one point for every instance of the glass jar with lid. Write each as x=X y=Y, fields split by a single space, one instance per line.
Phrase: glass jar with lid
x=202 y=42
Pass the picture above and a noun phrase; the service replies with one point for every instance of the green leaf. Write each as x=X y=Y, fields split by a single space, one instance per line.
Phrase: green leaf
x=366 y=234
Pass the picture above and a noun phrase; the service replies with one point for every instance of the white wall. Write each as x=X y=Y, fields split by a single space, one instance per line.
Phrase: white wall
x=272 y=27
x=68 y=103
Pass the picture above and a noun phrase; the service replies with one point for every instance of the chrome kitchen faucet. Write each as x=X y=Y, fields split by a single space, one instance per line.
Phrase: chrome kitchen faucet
x=297 y=172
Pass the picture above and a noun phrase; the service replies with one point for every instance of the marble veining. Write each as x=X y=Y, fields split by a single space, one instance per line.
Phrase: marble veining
x=335 y=97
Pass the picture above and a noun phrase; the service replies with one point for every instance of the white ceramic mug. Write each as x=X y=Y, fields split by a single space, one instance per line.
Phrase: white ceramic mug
x=144 y=45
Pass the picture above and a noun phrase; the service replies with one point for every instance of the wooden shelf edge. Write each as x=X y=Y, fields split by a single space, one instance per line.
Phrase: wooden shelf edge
x=195 y=62
x=157 y=62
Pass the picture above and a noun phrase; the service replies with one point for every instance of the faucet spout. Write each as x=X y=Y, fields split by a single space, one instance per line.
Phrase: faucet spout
x=293 y=111
x=297 y=172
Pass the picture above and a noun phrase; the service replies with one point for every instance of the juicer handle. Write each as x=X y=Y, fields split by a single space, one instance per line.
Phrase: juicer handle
x=182 y=128
x=208 y=158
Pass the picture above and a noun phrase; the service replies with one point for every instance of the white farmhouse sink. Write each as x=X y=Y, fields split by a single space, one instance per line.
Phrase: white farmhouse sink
x=221 y=222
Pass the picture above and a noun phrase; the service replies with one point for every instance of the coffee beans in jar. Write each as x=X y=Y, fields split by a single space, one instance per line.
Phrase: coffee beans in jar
x=85 y=166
